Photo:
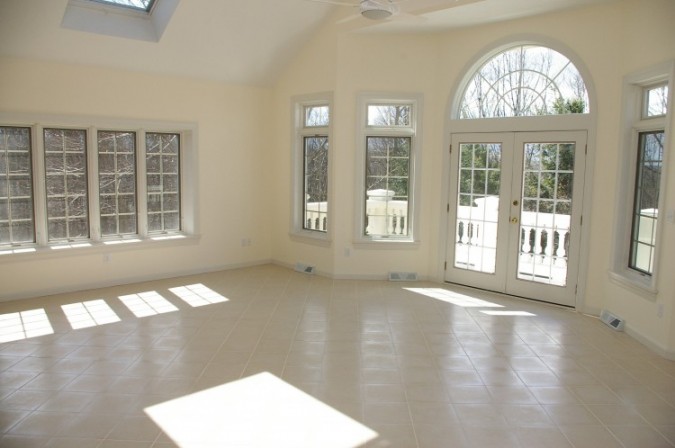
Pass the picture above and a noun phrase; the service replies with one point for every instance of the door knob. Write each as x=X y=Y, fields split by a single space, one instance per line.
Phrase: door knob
x=515 y=202
x=514 y=220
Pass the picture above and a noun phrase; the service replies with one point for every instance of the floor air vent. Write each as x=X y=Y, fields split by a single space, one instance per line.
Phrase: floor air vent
x=611 y=320
x=402 y=276
x=304 y=268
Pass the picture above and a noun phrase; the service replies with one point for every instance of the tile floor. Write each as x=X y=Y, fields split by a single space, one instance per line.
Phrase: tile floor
x=415 y=363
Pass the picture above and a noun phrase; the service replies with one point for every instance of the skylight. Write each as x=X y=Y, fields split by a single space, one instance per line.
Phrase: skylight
x=141 y=5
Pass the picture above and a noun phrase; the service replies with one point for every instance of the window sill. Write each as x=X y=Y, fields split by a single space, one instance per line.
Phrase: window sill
x=27 y=253
x=386 y=243
x=313 y=238
x=634 y=283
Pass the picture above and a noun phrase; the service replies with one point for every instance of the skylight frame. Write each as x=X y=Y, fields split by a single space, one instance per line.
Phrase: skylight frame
x=129 y=4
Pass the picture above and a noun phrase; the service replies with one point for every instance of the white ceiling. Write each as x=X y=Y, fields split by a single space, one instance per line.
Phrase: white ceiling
x=237 y=41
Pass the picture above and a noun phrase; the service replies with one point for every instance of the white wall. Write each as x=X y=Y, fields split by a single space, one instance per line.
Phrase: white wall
x=232 y=151
x=610 y=41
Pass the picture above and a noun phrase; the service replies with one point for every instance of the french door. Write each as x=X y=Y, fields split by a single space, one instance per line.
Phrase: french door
x=515 y=213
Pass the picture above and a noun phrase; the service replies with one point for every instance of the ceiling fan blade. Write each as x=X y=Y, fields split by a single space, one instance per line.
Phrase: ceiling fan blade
x=409 y=17
x=349 y=19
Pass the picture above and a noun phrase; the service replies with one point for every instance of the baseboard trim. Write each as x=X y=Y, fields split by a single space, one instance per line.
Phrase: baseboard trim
x=649 y=343
x=129 y=280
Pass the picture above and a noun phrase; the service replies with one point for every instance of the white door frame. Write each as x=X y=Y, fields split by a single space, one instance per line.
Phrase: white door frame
x=568 y=122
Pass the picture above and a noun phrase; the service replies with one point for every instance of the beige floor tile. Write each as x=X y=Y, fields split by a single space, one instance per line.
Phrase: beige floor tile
x=639 y=436
x=441 y=436
x=590 y=437
x=10 y=441
x=549 y=437
x=492 y=437
x=571 y=415
x=41 y=424
x=27 y=400
x=420 y=372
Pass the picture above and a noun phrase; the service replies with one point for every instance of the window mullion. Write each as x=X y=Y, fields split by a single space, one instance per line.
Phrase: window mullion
x=39 y=186
x=93 y=185
x=141 y=185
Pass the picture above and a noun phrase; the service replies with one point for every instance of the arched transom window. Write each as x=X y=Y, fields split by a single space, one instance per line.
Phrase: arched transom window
x=526 y=80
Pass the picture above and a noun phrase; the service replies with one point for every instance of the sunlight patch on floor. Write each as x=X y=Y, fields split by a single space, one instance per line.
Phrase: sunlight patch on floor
x=24 y=325
x=147 y=303
x=454 y=298
x=258 y=411
x=198 y=295
x=89 y=314
x=507 y=313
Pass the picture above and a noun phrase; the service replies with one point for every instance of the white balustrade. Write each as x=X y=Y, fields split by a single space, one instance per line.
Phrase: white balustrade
x=316 y=216
x=544 y=240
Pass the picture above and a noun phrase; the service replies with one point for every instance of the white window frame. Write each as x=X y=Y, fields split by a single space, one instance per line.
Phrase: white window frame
x=188 y=185
x=299 y=132
x=635 y=122
x=414 y=131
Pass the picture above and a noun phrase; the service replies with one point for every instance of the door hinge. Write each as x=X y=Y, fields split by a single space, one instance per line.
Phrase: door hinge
x=450 y=149
x=581 y=221
x=586 y=150
x=445 y=266
x=447 y=210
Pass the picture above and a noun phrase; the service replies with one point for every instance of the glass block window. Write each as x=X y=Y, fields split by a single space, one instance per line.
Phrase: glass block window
x=16 y=186
x=66 y=184
x=140 y=5
x=522 y=81
x=162 y=160
x=646 y=201
x=117 y=182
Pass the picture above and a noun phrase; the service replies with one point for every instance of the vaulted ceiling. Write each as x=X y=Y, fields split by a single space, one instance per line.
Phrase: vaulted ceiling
x=236 y=41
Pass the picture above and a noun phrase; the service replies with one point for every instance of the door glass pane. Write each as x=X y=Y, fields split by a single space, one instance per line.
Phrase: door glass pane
x=478 y=206
x=546 y=207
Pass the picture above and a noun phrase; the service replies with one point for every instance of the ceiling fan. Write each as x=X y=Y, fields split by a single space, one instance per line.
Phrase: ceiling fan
x=370 y=9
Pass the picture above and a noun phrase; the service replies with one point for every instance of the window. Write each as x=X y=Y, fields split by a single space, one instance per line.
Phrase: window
x=66 y=184
x=162 y=164
x=89 y=186
x=143 y=20
x=655 y=101
x=16 y=186
x=526 y=80
x=140 y=5
x=117 y=182
x=646 y=200
x=389 y=129
x=311 y=192
x=642 y=179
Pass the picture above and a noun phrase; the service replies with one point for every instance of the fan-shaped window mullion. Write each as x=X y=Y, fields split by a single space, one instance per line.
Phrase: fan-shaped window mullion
x=518 y=82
